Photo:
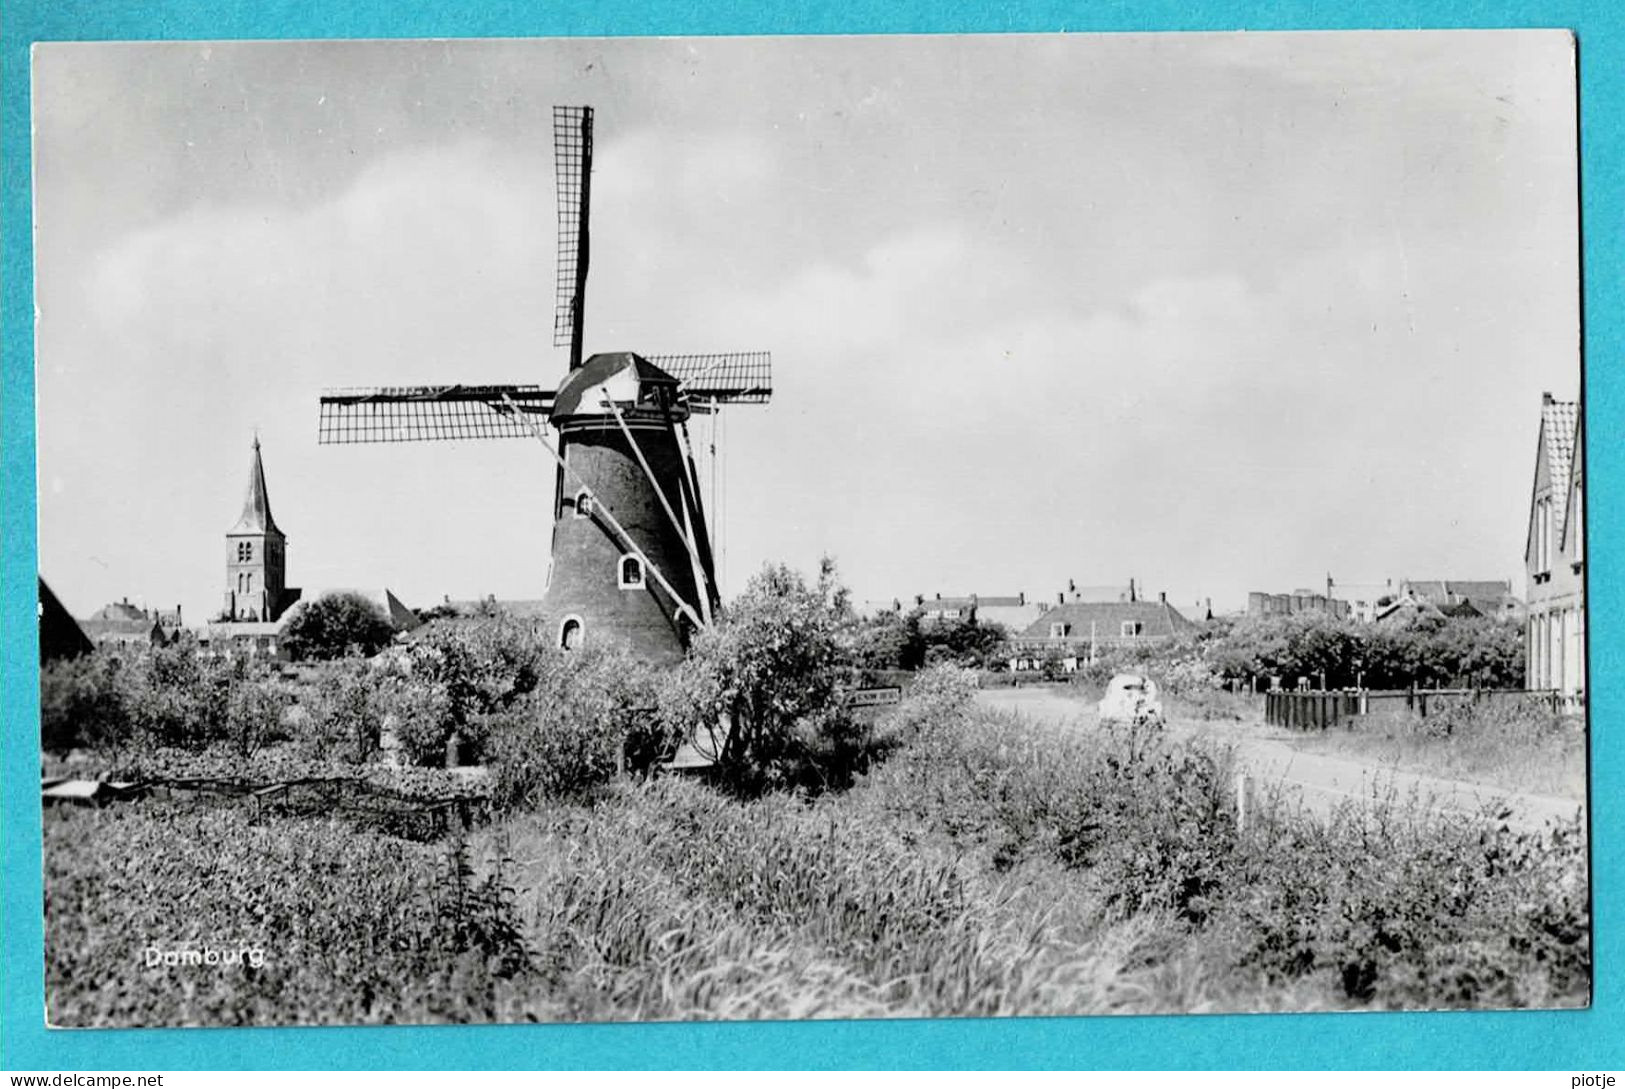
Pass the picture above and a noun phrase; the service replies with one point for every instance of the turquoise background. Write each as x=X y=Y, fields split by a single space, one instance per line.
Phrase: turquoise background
x=1557 y=1040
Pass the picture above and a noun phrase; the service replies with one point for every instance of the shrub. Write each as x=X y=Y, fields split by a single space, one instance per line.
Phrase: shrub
x=479 y=669
x=571 y=732
x=85 y=701
x=255 y=705
x=773 y=665
x=336 y=625
x=345 y=715
x=179 y=698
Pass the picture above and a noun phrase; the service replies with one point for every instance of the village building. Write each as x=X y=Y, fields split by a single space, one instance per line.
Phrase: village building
x=257 y=589
x=122 y=624
x=1364 y=599
x=257 y=592
x=1079 y=631
x=1467 y=597
x=60 y=635
x=1264 y=604
x=1554 y=555
x=1013 y=612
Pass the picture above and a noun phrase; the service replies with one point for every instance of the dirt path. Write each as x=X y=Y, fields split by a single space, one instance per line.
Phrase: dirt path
x=1320 y=782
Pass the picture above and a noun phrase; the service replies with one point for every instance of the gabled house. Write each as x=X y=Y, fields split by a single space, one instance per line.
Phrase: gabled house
x=1484 y=597
x=122 y=624
x=1554 y=556
x=1080 y=630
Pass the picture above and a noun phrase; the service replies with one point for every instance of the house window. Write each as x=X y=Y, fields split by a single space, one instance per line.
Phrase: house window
x=1059 y=630
x=570 y=633
x=1131 y=628
x=631 y=573
x=1579 y=524
x=583 y=504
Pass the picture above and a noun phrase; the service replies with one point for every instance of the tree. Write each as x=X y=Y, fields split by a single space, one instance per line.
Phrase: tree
x=772 y=663
x=335 y=626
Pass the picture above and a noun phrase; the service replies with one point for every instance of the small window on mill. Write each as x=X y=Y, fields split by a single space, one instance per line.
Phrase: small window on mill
x=631 y=573
x=583 y=504
x=570 y=633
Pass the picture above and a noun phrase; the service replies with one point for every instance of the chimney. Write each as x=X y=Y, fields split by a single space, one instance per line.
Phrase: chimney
x=1162 y=597
x=939 y=595
x=1131 y=590
x=1071 y=586
x=1021 y=597
x=1060 y=597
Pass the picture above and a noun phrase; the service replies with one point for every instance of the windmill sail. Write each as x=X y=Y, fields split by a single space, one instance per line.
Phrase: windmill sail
x=427 y=413
x=572 y=162
x=728 y=377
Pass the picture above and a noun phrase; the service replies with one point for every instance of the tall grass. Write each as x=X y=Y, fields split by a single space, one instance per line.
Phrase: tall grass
x=986 y=867
x=1512 y=744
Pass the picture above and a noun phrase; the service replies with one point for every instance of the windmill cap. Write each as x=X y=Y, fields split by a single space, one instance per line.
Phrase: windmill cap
x=626 y=377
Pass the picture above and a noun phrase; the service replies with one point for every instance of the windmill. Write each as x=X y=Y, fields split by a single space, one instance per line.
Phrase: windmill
x=631 y=555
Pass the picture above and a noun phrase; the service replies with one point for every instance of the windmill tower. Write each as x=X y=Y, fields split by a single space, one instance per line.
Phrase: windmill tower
x=631 y=556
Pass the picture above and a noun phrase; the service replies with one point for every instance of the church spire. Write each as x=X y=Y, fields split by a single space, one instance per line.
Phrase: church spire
x=256 y=516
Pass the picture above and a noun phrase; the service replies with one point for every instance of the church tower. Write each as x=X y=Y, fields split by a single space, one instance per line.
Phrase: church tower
x=256 y=556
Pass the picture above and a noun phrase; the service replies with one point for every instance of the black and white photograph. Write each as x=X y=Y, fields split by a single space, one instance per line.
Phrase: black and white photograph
x=775 y=528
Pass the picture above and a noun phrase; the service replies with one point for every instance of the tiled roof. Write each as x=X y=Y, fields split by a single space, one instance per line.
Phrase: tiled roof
x=1440 y=591
x=518 y=608
x=99 y=629
x=1557 y=423
x=120 y=610
x=1156 y=617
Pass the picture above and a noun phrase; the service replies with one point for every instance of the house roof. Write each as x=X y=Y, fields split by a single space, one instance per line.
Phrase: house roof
x=1442 y=590
x=1013 y=618
x=1558 y=420
x=256 y=516
x=139 y=628
x=1156 y=618
x=1576 y=480
x=120 y=610
x=60 y=635
x=518 y=608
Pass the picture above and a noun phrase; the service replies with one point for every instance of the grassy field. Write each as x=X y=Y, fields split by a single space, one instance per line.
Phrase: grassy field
x=987 y=867
x=1511 y=747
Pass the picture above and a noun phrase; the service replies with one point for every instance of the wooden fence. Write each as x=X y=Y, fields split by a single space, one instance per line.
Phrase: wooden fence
x=379 y=808
x=1317 y=710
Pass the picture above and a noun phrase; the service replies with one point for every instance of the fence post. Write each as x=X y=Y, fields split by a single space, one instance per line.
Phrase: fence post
x=1241 y=800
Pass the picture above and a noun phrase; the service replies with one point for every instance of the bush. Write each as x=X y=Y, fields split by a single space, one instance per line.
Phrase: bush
x=590 y=709
x=345 y=715
x=336 y=625
x=179 y=698
x=255 y=706
x=159 y=697
x=85 y=701
x=772 y=665
x=473 y=671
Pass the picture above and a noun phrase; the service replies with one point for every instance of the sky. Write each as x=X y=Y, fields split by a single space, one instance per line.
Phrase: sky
x=1218 y=313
